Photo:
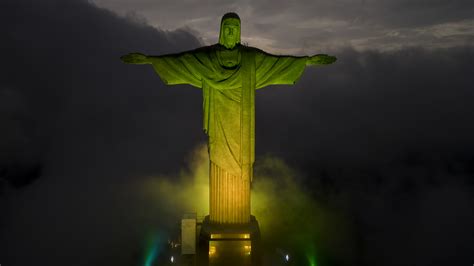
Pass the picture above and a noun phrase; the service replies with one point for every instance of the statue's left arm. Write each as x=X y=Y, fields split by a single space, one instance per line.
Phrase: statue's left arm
x=284 y=69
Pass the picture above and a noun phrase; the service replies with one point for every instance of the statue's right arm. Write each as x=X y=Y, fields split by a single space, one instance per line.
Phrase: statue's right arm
x=173 y=69
x=135 y=58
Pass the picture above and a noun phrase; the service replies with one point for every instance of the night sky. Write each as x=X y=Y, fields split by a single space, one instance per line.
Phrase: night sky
x=379 y=145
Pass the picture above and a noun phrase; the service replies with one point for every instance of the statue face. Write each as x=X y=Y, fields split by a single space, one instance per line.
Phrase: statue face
x=231 y=32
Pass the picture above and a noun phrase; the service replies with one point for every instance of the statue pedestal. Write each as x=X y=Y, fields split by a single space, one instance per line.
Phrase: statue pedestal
x=229 y=244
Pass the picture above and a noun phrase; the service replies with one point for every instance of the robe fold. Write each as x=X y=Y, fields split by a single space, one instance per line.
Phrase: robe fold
x=229 y=105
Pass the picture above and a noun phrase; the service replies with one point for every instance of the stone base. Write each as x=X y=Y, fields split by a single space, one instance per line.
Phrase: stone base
x=229 y=244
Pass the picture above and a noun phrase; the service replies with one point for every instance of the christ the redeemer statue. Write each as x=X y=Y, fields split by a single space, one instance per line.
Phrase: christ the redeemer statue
x=228 y=74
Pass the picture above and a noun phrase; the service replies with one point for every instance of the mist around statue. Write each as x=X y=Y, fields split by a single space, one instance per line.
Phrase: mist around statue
x=293 y=221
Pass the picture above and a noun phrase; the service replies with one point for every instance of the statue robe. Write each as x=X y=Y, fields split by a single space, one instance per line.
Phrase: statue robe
x=229 y=112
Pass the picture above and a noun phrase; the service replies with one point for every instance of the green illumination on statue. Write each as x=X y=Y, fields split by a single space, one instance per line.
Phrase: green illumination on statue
x=228 y=74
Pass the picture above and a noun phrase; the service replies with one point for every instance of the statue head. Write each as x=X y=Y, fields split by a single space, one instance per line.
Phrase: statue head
x=230 y=30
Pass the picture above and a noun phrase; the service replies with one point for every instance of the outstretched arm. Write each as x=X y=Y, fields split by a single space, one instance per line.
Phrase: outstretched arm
x=278 y=69
x=180 y=68
x=135 y=58
x=320 y=59
x=285 y=69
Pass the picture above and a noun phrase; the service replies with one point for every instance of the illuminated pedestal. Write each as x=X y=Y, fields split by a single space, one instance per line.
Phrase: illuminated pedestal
x=229 y=244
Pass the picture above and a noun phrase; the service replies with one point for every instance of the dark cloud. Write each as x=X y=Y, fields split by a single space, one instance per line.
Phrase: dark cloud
x=383 y=138
x=94 y=126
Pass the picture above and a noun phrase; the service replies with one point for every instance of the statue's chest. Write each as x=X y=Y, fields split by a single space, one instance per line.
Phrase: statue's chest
x=229 y=58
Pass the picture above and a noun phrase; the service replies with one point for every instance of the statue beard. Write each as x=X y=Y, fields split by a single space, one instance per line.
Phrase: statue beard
x=230 y=44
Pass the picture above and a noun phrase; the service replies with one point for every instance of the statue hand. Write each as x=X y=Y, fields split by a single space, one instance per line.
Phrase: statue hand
x=321 y=59
x=135 y=58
